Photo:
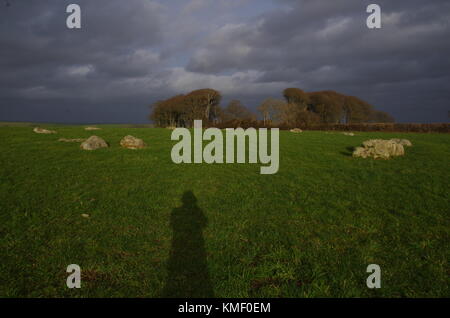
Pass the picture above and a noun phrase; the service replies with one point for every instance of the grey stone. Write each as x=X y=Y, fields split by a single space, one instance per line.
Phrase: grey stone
x=131 y=142
x=93 y=143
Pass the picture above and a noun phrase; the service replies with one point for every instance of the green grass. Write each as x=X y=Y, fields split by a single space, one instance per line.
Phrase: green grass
x=310 y=230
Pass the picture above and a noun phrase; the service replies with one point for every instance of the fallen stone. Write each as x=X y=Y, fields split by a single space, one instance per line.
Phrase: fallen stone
x=348 y=133
x=379 y=149
x=296 y=130
x=93 y=143
x=360 y=152
x=131 y=142
x=403 y=142
x=71 y=140
x=92 y=128
x=38 y=130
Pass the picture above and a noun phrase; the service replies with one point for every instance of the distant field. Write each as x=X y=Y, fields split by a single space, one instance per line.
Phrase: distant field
x=308 y=231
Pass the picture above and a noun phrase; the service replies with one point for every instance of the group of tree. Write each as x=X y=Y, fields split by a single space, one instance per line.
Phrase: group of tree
x=325 y=107
x=298 y=108
x=182 y=110
x=204 y=104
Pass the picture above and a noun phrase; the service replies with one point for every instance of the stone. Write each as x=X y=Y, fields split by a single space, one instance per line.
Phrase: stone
x=348 y=134
x=360 y=152
x=91 y=128
x=403 y=142
x=86 y=216
x=296 y=130
x=379 y=149
x=93 y=143
x=131 y=142
x=38 y=130
x=71 y=140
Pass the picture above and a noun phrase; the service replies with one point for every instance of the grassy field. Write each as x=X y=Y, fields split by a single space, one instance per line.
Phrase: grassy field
x=158 y=229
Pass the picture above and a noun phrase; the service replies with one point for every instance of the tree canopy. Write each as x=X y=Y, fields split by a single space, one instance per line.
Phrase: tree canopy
x=298 y=108
x=182 y=110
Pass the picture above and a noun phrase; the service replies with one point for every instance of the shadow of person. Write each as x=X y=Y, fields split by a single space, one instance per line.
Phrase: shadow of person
x=188 y=275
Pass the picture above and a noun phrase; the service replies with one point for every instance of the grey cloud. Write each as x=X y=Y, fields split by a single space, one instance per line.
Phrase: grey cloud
x=131 y=53
x=318 y=45
x=118 y=40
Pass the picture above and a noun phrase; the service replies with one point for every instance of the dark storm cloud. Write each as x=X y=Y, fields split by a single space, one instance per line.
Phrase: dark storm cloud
x=37 y=47
x=44 y=63
x=131 y=53
x=318 y=46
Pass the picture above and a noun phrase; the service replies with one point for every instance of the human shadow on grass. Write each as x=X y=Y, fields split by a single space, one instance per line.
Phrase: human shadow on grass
x=188 y=275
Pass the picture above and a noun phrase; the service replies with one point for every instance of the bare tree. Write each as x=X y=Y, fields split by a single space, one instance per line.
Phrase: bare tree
x=269 y=109
x=236 y=110
x=296 y=96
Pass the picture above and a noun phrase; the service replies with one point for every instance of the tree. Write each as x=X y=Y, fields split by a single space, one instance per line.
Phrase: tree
x=381 y=117
x=287 y=113
x=269 y=109
x=182 y=110
x=203 y=103
x=300 y=109
x=297 y=97
x=235 y=110
x=305 y=118
x=293 y=116
x=328 y=105
x=171 y=112
x=356 y=110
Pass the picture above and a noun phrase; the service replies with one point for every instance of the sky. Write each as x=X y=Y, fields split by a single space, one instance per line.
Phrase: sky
x=130 y=53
